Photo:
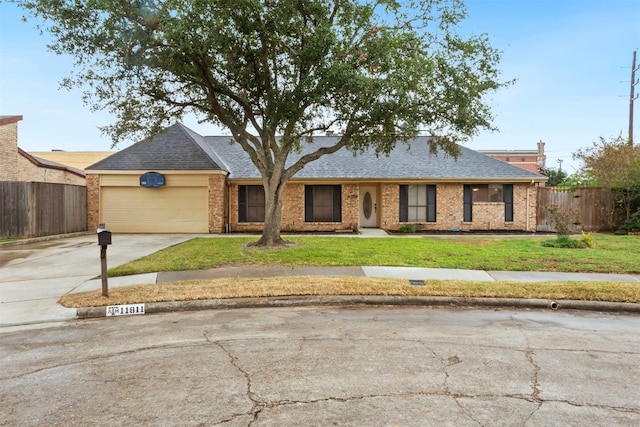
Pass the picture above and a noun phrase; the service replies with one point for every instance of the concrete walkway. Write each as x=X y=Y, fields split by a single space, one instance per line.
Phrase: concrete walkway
x=33 y=276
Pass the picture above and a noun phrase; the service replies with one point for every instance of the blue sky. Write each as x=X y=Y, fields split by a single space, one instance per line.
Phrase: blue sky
x=571 y=59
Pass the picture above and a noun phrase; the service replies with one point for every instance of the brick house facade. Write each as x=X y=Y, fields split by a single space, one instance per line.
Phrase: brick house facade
x=334 y=193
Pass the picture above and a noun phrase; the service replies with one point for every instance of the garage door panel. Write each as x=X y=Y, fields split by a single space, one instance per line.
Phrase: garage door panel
x=159 y=210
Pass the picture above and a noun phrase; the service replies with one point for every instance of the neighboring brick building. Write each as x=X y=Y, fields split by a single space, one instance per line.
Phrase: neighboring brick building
x=9 y=147
x=183 y=182
x=531 y=160
x=18 y=165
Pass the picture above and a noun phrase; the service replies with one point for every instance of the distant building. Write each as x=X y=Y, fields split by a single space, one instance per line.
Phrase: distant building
x=531 y=160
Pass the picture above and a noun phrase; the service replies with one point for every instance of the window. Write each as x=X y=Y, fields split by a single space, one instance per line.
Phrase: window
x=418 y=203
x=478 y=193
x=486 y=193
x=323 y=203
x=250 y=203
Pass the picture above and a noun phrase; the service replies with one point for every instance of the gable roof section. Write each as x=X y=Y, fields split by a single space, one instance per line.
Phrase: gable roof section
x=48 y=164
x=6 y=120
x=407 y=161
x=179 y=148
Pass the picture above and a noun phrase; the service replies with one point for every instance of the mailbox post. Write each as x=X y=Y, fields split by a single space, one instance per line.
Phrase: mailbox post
x=104 y=239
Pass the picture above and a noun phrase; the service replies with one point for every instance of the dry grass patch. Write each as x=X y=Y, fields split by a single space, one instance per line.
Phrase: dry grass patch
x=293 y=286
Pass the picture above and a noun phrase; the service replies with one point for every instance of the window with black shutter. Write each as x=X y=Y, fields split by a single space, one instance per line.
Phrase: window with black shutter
x=323 y=203
x=251 y=203
x=507 y=194
x=418 y=203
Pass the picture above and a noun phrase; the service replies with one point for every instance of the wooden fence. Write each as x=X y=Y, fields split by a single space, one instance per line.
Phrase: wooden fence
x=33 y=209
x=589 y=208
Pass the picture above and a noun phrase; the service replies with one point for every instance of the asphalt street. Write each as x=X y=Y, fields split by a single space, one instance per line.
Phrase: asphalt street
x=316 y=365
x=326 y=366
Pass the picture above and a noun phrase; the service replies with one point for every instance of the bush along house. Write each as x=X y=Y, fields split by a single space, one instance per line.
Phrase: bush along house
x=182 y=182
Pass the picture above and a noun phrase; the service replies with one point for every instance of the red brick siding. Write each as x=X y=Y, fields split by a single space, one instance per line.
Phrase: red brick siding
x=93 y=201
x=293 y=211
x=217 y=206
x=486 y=216
x=449 y=210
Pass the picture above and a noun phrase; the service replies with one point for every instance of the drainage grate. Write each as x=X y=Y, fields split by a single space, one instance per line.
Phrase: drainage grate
x=416 y=282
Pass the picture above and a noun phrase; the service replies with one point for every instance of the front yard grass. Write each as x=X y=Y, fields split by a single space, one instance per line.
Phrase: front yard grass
x=611 y=254
x=296 y=286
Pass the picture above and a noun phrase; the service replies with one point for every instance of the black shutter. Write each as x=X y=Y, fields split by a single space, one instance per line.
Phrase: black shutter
x=468 y=203
x=507 y=194
x=404 y=203
x=308 y=203
x=431 y=203
x=242 y=203
x=337 y=203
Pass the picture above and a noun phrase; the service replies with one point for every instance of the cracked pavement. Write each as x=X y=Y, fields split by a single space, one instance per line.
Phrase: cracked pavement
x=380 y=366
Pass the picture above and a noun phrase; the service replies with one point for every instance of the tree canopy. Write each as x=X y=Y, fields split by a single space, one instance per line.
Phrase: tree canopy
x=614 y=164
x=556 y=177
x=377 y=72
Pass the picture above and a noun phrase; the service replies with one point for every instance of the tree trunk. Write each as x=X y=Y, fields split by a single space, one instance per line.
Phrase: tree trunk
x=272 y=215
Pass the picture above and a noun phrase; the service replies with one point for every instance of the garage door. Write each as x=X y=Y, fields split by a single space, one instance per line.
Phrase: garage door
x=155 y=210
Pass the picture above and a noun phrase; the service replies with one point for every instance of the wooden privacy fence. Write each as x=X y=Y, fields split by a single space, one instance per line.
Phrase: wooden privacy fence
x=588 y=207
x=33 y=209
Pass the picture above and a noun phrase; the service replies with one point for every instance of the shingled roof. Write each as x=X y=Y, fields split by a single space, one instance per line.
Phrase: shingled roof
x=179 y=148
x=182 y=149
x=407 y=161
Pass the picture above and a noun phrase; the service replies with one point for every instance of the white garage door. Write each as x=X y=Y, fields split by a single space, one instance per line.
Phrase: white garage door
x=155 y=210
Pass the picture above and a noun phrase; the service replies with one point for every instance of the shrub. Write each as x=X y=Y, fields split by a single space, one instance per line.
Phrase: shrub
x=633 y=223
x=407 y=228
x=562 y=220
x=564 y=242
x=588 y=239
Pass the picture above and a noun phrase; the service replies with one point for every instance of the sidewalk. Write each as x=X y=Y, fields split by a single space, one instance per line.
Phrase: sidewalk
x=412 y=274
x=408 y=273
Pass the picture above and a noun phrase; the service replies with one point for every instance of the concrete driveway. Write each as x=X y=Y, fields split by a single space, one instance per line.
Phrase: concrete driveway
x=34 y=275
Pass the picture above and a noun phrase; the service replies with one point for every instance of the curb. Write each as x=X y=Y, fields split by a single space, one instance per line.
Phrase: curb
x=24 y=241
x=349 y=300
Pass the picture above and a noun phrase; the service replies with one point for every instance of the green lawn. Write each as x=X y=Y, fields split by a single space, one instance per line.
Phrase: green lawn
x=13 y=239
x=611 y=254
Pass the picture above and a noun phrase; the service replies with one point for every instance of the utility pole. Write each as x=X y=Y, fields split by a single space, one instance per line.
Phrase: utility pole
x=560 y=163
x=632 y=96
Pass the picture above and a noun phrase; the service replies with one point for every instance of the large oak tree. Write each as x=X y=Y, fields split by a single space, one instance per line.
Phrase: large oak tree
x=276 y=71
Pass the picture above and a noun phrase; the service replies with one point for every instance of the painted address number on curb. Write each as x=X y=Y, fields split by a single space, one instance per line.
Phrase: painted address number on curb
x=123 y=310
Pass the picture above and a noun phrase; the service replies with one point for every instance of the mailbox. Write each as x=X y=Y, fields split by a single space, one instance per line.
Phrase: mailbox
x=104 y=235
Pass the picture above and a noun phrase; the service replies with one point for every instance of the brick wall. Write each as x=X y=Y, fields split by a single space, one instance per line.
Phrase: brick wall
x=93 y=201
x=9 y=152
x=293 y=211
x=486 y=216
x=217 y=207
x=450 y=214
x=449 y=199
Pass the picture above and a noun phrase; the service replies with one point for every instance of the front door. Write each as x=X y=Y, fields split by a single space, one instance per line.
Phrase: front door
x=368 y=207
